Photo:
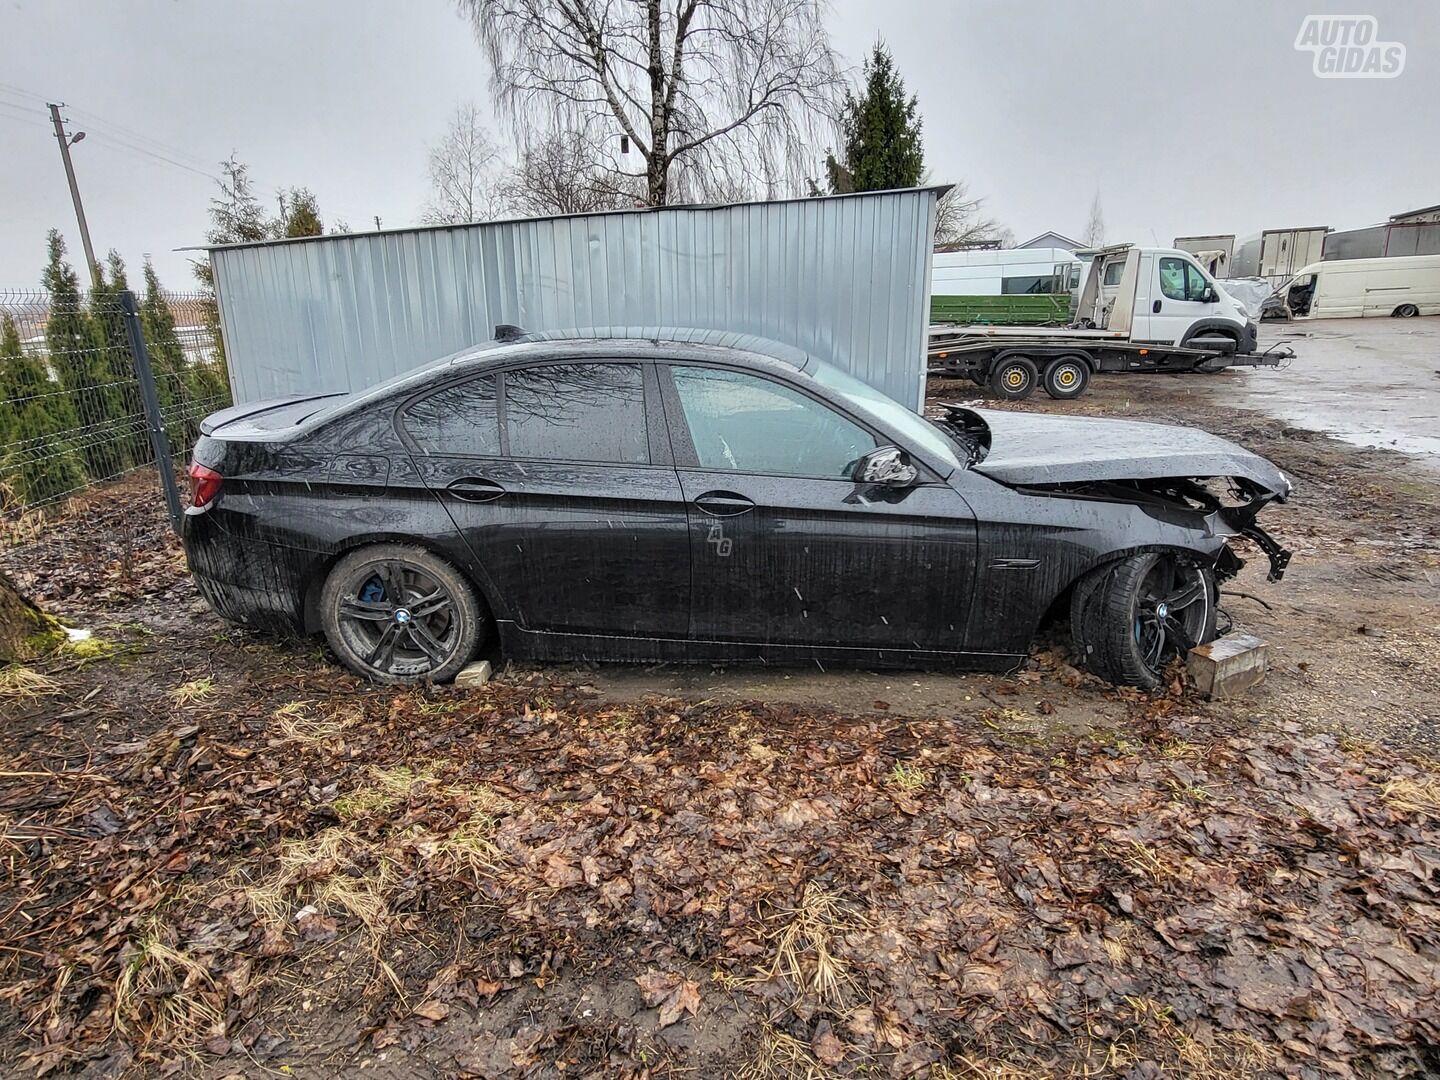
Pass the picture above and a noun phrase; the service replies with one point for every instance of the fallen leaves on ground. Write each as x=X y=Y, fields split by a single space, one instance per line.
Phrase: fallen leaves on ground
x=673 y=994
x=1267 y=898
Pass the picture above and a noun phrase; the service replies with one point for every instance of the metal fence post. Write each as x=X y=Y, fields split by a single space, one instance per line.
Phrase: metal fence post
x=156 y=423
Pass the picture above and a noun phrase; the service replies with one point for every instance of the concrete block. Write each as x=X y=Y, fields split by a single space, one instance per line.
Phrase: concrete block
x=473 y=675
x=1228 y=667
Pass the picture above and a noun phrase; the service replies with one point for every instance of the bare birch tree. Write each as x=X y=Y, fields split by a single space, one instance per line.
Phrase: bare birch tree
x=1095 y=228
x=463 y=169
x=704 y=90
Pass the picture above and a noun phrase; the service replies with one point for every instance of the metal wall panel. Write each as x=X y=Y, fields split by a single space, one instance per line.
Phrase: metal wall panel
x=845 y=278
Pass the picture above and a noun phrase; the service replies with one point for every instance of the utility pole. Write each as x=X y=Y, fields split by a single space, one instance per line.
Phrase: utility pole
x=65 y=142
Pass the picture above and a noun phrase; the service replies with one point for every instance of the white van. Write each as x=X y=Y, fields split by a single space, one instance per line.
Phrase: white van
x=1355 y=288
x=1004 y=272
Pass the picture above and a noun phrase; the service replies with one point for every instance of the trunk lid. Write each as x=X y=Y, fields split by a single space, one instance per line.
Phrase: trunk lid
x=266 y=419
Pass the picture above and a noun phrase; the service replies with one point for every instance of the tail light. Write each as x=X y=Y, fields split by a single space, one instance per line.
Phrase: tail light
x=204 y=484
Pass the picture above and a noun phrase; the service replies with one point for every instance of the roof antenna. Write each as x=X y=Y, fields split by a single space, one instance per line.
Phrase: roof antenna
x=509 y=332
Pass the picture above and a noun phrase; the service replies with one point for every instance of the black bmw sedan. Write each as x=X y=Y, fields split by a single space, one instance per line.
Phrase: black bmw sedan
x=697 y=495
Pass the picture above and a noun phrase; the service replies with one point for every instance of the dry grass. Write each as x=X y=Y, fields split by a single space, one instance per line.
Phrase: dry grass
x=25 y=528
x=164 y=996
x=804 y=945
x=363 y=802
x=335 y=870
x=779 y=1056
x=303 y=721
x=24 y=684
x=340 y=871
x=1413 y=796
x=193 y=692
x=1145 y=861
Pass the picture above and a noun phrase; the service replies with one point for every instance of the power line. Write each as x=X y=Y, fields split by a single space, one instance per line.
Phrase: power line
x=18 y=113
x=118 y=133
x=106 y=139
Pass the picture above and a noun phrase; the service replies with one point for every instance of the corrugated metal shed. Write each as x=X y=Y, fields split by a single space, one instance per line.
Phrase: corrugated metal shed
x=845 y=278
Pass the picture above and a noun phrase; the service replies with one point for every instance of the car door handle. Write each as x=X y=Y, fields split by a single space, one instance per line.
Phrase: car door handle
x=723 y=503
x=475 y=489
x=1155 y=308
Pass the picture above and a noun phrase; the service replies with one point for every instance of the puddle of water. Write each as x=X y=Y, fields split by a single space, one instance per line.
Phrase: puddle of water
x=1367 y=382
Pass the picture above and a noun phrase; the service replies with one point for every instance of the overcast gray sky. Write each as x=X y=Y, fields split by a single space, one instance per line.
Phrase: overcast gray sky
x=1187 y=118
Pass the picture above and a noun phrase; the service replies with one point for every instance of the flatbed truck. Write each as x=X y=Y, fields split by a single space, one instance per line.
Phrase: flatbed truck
x=1140 y=310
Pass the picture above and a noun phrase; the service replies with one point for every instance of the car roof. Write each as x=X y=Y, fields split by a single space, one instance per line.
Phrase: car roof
x=607 y=343
x=636 y=341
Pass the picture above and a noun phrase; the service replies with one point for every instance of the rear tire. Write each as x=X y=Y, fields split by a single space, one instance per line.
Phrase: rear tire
x=397 y=614
x=1128 y=618
x=1014 y=378
x=1405 y=311
x=1066 y=377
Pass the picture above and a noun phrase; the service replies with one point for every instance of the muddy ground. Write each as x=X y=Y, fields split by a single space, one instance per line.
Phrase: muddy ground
x=225 y=857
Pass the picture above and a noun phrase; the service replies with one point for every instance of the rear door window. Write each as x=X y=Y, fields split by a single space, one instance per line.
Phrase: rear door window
x=577 y=412
x=460 y=420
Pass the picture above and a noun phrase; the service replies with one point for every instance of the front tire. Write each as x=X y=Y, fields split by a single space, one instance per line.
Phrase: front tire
x=1130 y=617
x=1405 y=311
x=398 y=614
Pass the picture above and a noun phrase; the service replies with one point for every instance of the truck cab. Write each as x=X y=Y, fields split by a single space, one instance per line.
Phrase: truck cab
x=1164 y=296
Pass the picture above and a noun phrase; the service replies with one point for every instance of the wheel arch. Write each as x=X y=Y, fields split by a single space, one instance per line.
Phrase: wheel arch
x=320 y=570
x=1214 y=328
x=1059 y=604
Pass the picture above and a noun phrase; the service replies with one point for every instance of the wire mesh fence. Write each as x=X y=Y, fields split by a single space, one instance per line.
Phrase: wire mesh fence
x=72 y=408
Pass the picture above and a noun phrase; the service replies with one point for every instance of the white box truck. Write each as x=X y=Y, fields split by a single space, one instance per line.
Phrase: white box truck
x=1140 y=310
x=1277 y=253
x=1214 y=252
x=1355 y=288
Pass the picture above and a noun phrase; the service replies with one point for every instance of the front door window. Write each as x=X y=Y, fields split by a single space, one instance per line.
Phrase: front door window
x=743 y=423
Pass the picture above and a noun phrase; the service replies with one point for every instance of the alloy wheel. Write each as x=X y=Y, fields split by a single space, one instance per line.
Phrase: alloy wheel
x=1171 y=612
x=398 y=619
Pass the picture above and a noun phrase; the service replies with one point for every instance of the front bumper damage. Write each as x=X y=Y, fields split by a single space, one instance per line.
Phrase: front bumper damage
x=1240 y=521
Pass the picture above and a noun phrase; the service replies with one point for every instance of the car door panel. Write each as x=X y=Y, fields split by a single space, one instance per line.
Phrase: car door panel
x=1176 y=286
x=808 y=560
x=574 y=548
x=828 y=562
x=578 y=547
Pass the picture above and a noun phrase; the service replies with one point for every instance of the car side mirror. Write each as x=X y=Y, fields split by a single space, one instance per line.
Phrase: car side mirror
x=888 y=466
x=1211 y=296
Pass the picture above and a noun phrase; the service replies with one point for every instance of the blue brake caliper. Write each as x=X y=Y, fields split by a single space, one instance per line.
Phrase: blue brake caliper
x=372 y=592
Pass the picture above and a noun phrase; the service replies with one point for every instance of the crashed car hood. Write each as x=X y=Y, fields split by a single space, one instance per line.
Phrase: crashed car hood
x=1034 y=448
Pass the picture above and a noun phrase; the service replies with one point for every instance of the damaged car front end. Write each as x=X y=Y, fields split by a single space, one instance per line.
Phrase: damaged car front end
x=1170 y=500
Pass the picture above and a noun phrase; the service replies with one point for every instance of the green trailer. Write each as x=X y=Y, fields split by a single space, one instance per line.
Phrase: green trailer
x=1020 y=309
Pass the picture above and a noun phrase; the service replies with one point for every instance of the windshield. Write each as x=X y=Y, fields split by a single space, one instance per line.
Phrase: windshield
x=888 y=411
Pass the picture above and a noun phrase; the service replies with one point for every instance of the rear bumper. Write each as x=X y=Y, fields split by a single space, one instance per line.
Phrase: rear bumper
x=246 y=581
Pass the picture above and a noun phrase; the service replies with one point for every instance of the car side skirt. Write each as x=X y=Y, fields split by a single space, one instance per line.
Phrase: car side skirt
x=519 y=643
